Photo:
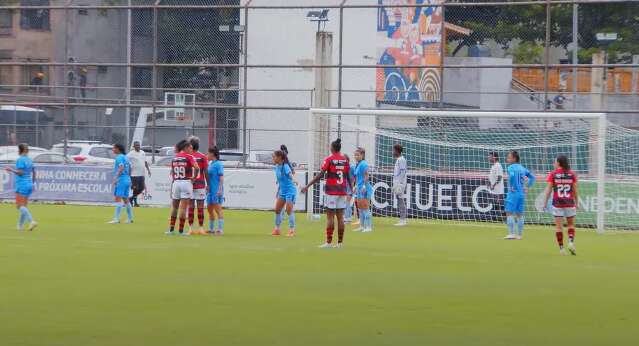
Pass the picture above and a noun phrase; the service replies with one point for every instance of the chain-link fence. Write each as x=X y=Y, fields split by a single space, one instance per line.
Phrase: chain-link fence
x=241 y=74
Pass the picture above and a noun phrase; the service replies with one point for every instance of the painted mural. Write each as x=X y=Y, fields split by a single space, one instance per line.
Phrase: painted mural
x=409 y=36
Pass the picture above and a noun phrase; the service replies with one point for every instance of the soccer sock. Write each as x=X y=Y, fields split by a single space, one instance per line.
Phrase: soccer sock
x=191 y=216
x=520 y=225
x=118 y=210
x=510 y=221
x=278 y=220
x=291 y=221
x=129 y=211
x=182 y=221
x=211 y=224
x=220 y=225
x=571 y=235
x=200 y=215
x=21 y=219
x=172 y=223
x=329 y=235
x=560 y=239
x=348 y=213
x=340 y=235
x=362 y=218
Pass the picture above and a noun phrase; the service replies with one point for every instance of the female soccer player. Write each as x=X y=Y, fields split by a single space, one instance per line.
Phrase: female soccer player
x=215 y=198
x=286 y=192
x=285 y=150
x=562 y=183
x=364 y=191
x=183 y=170
x=199 y=186
x=348 y=212
x=519 y=181
x=121 y=184
x=25 y=176
x=336 y=169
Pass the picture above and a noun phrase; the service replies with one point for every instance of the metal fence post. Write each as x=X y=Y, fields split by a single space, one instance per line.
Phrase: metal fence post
x=245 y=86
x=546 y=55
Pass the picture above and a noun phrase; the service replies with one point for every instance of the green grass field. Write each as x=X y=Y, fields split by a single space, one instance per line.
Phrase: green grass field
x=79 y=281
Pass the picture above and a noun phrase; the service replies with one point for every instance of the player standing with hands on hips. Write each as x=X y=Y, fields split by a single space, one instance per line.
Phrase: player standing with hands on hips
x=562 y=183
x=336 y=169
x=400 y=181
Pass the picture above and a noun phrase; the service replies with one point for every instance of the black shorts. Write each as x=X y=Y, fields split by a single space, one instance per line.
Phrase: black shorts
x=137 y=183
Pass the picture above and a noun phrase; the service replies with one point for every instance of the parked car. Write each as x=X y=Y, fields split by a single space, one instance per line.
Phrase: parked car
x=9 y=153
x=41 y=157
x=87 y=151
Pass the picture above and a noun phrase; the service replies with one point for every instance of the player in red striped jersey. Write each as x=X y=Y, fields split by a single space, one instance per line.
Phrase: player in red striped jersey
x=336 y=169
x=183 y=170
x=562 y=183
x=199 y=186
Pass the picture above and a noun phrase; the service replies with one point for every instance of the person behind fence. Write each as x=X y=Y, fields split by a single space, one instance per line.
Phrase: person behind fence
x=520 y=179
x=496 y=185
x=137 y=158
x=25 y=177
x=400 y=181
x=121 y=184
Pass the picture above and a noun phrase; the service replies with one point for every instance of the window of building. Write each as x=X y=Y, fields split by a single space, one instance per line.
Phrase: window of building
x=34 y=19
x=6 y=22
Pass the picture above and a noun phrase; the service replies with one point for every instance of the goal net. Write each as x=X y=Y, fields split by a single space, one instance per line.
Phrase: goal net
x=448 y=166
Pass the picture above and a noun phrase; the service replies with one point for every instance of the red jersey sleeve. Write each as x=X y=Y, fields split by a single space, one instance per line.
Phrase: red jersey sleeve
x=574 y=177
x=550 y=177
x=326 y=164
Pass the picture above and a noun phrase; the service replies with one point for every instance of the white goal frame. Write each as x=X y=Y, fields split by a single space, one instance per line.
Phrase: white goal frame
x=600 y=119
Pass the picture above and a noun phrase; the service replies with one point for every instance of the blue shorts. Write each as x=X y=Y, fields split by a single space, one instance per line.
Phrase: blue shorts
x=122 y=189
x=24 y=190
x=367 y=195
x=515 y=203
x=290 y=197
x=214 y=199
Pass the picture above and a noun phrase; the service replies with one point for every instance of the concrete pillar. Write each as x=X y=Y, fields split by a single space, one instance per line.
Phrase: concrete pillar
x=322 y=96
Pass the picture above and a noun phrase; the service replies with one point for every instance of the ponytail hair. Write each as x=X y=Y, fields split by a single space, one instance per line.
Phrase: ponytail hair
x=22 y=147
x=562 y=160
x=285 y=159
x=215 y=152
x=336 y=146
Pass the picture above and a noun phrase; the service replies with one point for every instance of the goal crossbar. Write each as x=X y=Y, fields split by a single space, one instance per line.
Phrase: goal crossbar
x=598 y=118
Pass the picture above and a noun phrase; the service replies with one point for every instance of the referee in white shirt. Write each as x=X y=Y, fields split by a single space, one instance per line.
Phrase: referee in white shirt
x=137 y=158
x=496 y=185
x=400 y=181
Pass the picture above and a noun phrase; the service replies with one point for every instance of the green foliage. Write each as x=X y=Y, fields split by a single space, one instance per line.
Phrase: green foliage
x=526 y=23
x=527 y=53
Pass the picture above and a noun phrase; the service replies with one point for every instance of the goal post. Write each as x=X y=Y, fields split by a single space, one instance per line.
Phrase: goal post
x=448 y=166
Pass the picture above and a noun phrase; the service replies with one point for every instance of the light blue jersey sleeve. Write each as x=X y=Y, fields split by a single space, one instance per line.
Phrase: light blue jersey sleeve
x=21 y=163
x=531 y=178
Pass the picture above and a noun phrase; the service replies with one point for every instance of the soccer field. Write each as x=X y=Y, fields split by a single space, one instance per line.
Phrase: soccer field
x=79 y=281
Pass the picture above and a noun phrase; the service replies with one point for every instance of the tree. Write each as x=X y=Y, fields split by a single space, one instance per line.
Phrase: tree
x=509 y=24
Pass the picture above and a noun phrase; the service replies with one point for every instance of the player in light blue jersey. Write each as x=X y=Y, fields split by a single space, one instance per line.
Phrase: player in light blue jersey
x=364 y=191
x=215 y=197
x=519 y=181
x=121 y=184
x=286 y=192
x=25 y=176
x=348 y=212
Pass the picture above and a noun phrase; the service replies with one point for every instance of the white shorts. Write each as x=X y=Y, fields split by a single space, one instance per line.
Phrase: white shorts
x=199 y=194
x=564 y=212
x=182 y=189
x=335 y=202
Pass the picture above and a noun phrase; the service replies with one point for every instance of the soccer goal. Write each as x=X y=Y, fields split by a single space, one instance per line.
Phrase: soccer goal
x=447 y=154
